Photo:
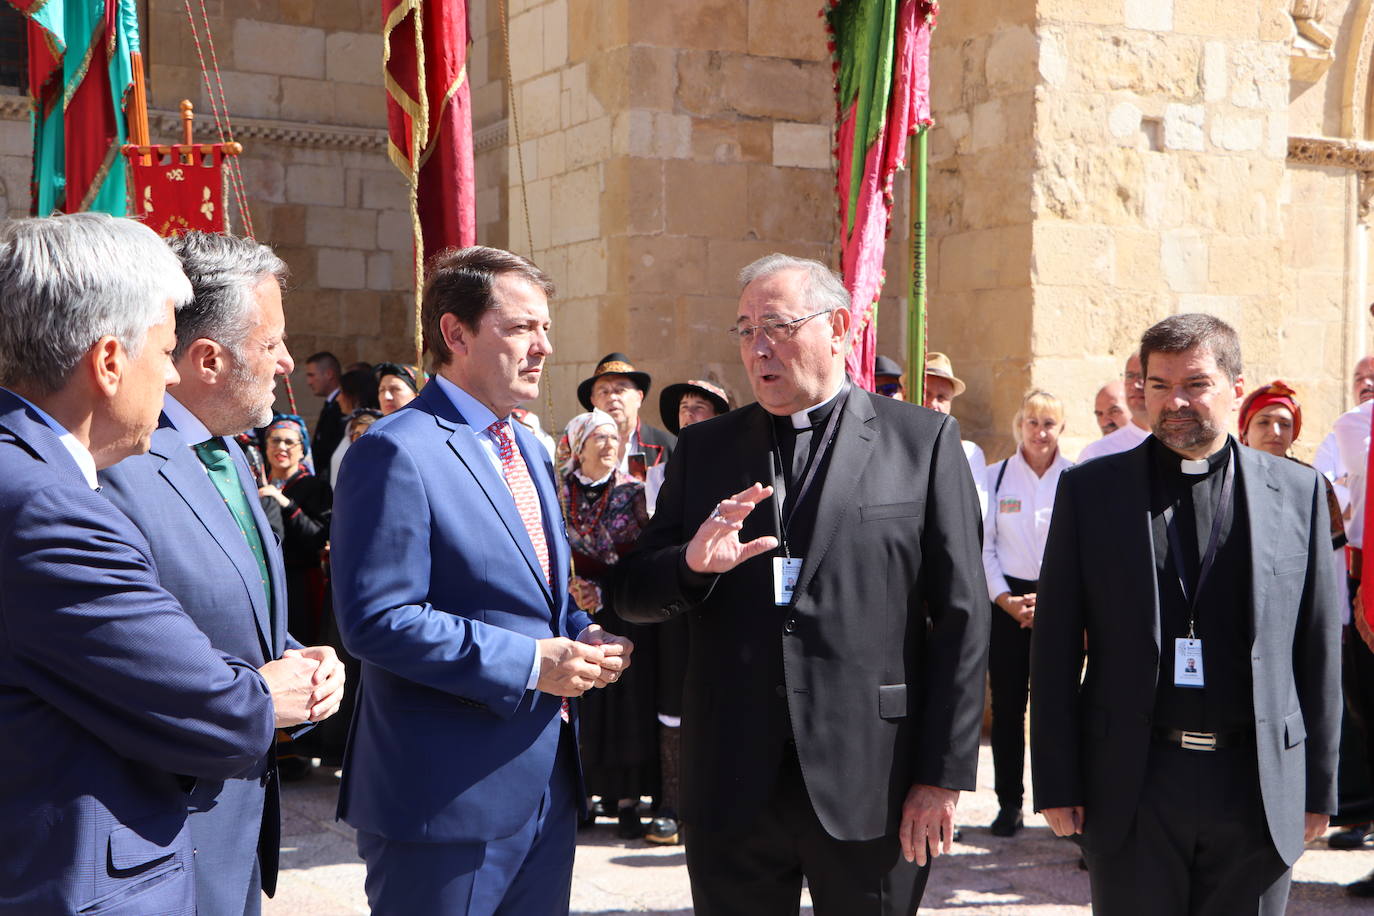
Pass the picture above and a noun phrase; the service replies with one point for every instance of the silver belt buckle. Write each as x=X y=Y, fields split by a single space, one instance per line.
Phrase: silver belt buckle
x=1199 y=741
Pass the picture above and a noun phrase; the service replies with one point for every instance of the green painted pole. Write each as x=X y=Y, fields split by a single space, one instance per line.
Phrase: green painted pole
x=916 y=294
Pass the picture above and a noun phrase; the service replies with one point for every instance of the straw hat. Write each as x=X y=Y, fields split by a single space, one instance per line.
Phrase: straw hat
x=612 y=364
x=938 y=365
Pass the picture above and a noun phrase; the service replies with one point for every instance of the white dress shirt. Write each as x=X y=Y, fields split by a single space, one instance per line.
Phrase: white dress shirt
x=978 y=467
x=1017 y=522
x=80 y=454
x=1328 y=462
x=1122 y=440
x=1352 y=442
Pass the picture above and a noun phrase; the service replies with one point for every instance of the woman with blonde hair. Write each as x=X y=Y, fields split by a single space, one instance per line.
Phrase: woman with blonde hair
x=1020 y=504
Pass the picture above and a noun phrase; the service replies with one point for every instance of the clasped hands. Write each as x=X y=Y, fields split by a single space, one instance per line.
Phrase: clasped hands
x=569 y=668
x=307 y=685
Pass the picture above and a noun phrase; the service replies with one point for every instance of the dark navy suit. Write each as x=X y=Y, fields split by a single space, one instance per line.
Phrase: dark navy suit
x=112 y=702
x=438 y=592
x=204 y=561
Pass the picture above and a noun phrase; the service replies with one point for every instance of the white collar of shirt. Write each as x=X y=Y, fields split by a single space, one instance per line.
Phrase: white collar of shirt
x=802 y=418
x=1059 y=464
x=80 y=454
x=332 y=395
x=187 y=424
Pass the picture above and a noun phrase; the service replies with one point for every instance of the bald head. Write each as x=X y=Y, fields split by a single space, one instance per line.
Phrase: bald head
x=1110 y=407
x=1362 y=386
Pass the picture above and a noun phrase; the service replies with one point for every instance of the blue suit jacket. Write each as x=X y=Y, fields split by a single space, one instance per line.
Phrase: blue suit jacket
x=203 y=560
x=107 y=689
x=438 y=592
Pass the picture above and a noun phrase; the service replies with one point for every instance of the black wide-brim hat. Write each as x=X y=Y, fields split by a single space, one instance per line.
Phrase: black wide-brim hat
x=612 y=364
x=671 y=397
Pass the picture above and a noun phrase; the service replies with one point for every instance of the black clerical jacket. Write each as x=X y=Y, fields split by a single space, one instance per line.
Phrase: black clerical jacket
x=1091 y=731
x=876 y=669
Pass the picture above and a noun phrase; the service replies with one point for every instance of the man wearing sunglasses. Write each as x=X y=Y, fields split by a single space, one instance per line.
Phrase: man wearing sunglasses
x=823 y=546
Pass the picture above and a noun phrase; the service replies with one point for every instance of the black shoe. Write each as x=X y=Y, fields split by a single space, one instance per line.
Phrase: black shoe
x=1007 y=822
x=957 y=835
x=664 y=831
x=1363 y=887
x=1352 y=837
x=630 y=826
x=598 y=809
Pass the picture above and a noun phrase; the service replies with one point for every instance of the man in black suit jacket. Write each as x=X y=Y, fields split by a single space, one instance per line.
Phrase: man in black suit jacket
x=323 y=374
x=838 y=634
x=1199 y=749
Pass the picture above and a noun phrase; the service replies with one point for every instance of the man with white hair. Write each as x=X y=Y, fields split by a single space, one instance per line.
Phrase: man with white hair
x=193 y=497
x=112 y=702
x=834 y=718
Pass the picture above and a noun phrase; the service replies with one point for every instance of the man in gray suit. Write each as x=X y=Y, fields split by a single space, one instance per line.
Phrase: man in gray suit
x=1198 y=750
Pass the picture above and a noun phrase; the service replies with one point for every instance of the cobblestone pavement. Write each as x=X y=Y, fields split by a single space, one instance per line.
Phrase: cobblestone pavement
x=1033 y=874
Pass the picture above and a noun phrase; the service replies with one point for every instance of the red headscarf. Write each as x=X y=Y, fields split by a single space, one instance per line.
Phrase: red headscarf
x=1276 y=392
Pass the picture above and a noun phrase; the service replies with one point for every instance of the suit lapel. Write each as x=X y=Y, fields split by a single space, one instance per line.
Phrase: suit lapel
x=186 y=475
x=42 y=439
x=853 y=447
x=1262 y=500
x=1140 y=586
x=275 y=621
x=462 y=439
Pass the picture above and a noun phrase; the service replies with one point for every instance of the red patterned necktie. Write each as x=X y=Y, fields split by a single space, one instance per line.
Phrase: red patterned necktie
x=526 y=497
x=527 y=503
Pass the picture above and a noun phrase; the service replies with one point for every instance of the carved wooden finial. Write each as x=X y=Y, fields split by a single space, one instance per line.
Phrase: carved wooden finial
x=188 y=117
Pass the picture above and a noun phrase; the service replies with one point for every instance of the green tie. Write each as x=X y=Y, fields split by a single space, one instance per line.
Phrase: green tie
x=220 y=468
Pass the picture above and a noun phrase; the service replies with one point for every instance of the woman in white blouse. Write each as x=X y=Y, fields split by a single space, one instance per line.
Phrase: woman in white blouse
x=1020 y=503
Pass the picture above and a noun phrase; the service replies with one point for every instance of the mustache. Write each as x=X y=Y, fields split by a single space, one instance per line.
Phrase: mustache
x=1186 y=413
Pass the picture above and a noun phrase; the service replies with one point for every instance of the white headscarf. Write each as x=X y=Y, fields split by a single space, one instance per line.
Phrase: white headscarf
x=580 y=428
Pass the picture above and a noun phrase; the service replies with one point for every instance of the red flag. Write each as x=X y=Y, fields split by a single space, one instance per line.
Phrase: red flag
x=180 y=189
x=429 y=117
x=882 y=65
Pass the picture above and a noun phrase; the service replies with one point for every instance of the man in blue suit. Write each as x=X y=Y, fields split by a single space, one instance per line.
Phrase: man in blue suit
x=193 y=498
x=450 y=585
x=112 y=701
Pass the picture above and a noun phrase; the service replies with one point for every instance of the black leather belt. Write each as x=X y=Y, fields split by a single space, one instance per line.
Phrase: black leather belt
x=1203 y=741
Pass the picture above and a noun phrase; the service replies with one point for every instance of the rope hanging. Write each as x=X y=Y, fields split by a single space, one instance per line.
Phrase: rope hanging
x=219 y=108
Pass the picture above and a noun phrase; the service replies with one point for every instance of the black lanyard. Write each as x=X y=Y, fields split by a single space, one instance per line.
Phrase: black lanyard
x=809 y=477
x=1209 y=556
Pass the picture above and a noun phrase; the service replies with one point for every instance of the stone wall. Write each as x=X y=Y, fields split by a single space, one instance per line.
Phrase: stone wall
x=665 y=146
x=984 y=70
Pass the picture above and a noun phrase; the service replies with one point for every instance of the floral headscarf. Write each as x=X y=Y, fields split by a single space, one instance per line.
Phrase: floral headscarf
x=294 y=422
x=579 y=428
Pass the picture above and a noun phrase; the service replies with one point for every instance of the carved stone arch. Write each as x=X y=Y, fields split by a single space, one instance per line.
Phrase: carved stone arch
x=1355 y=93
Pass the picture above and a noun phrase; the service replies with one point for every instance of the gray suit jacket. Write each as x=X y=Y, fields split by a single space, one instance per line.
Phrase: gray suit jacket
x=1090 y=739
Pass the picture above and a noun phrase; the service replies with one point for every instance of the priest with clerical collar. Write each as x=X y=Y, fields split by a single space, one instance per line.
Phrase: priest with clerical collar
x=822 y=546
x=1196 y=752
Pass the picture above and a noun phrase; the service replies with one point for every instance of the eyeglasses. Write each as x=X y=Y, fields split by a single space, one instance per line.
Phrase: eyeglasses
x=889 y=390
x=776 y=331
x=281 y=440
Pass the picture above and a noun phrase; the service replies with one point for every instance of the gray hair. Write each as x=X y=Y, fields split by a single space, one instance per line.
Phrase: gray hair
x=821 y=286
x=68 y=280
x=223 y=271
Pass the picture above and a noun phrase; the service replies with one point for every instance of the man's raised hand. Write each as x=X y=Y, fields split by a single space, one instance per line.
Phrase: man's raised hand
x=716 y=547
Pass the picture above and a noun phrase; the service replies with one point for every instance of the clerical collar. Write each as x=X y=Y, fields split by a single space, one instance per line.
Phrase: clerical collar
x=816 y=413
x=1193 y=467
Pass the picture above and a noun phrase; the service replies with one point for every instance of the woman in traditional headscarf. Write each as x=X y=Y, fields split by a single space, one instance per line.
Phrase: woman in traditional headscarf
x=396 y=386
x=306 y=503
x=1270 y=420
x=605 y=514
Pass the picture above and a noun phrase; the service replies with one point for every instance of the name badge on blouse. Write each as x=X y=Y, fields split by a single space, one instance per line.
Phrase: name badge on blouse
x=786 y=572
x=1187 y=662
x=1007 y=504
